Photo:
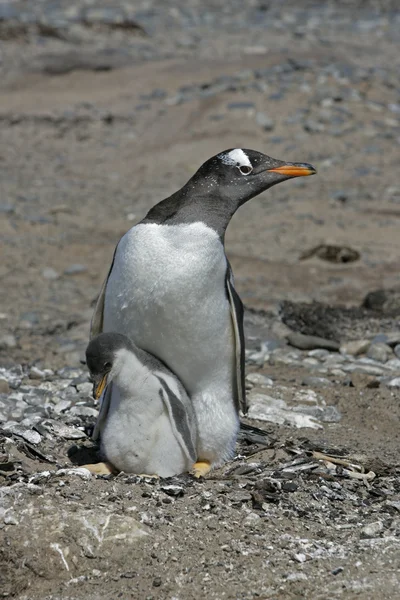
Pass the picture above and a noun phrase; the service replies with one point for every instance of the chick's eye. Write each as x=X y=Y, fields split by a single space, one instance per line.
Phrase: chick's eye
x=107 y=366
x=245 y=169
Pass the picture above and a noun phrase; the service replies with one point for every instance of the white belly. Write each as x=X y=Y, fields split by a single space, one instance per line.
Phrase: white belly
x=167 y=291
x=138 y=437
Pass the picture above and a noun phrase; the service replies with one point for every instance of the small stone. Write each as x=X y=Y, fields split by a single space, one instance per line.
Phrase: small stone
x=259 y=379
x=355 y=347
x=62 y=406
x=300 y=557
x=240 y=105
x=7 y=342
x=35 y=373
x=394 y=383
x=396 y=350
x=4 y=387
x=379 y=352
x=85 y=388
x=316 y=382
x=362 y=380
x=33 y=437
x=310 y=342
x=319 y=353
x=337 y=570
x=78 y=471
x=173 y=490
x=265 y=121
x=49 y=273
x=157 y=582
x=289 y=486
x=372 y=529
x=83 y=411
x=75 y=269
x=251 y=520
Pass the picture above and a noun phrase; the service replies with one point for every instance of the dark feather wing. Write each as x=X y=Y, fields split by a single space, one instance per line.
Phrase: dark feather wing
x=237 y=312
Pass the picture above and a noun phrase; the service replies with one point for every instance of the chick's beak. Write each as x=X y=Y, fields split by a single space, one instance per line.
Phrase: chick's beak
x=294 y=170
x=99 y=386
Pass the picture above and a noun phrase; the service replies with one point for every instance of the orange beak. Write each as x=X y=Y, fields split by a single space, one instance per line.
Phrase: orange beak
x=99 y=388
x=295 y=170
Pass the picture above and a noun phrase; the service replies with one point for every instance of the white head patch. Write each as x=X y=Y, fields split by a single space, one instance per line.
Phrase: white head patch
x=235 y=157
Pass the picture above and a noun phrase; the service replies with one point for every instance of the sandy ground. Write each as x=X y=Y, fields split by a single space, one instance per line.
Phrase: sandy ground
x=83 y=156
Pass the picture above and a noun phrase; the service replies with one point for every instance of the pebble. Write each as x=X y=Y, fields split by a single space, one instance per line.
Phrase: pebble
x=259 y=379
x=379 y=352
x=356 y=347
x=35 y=373
x=4 y=387
x=7 y=341
x=372 y=529
x=362 y=380
x=319 y=353
x=396 y=350
x=310 y=342
x=265 y=121
x=85 y=388
x=33 y=437
x=240 y=105
x=75 y=269
x=316 y=382
x=252 y=519
x=49 y=273
x=394 y=383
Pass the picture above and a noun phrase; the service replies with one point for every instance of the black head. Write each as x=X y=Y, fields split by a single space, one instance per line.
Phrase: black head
x=100 y=356
x=242 y=174
x=221 y=185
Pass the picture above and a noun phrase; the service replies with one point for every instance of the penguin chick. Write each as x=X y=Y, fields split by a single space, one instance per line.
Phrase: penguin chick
x=149 y=427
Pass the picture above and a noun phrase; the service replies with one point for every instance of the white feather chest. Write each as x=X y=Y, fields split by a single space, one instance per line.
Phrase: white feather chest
x=167 y=291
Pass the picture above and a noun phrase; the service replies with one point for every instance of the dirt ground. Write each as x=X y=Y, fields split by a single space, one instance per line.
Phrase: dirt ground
x=97 y=128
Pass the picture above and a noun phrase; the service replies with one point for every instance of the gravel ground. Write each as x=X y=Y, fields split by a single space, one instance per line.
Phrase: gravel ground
x=105 y=109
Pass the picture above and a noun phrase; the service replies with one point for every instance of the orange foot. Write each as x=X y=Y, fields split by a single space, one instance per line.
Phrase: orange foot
x=201 y=468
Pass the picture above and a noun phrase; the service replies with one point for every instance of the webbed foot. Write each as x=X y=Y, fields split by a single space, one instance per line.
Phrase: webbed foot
x=201 y=468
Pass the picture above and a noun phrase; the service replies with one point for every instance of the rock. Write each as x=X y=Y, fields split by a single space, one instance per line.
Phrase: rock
x=75 y=269
x=356 y=347
x=320 y=353
x=309 y=342
x=394 y=383
x=393 y=364
x=35 y=373
x=173 y=490
x=78 y=471
x=267 y=408
x=265 y=121
x=362 y=380
x=300 y=557
x=8 y=342
x=62 y=430
x=259 y=379
x=49 y=273
x=241 y=106
x=316 y=382
x=4 y=387
x=372 y=529
x=85 y=388
x=83 y=411
x=252 y=519
x=33 y=437
x=62 y=406
x=396 y=350
x=379 y=352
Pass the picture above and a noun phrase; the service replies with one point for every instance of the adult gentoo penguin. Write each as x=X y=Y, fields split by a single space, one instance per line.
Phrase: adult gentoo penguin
x=150 y=426
x=170 y=288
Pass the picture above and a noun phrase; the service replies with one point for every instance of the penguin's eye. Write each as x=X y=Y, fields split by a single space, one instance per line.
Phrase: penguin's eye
x=107 y=366
x=245 y=169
